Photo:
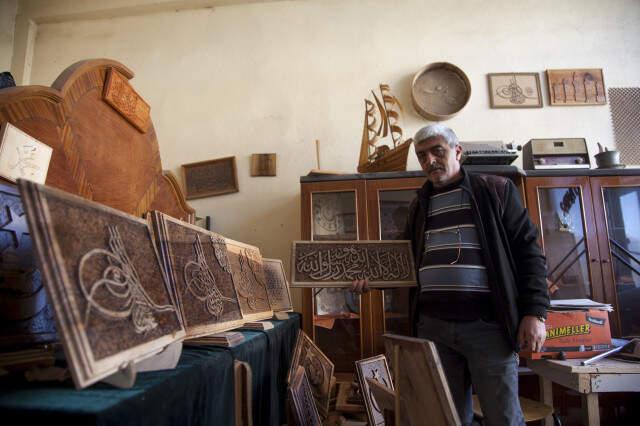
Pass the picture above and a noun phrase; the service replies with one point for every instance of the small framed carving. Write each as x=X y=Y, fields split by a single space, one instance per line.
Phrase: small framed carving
x=119 y=93
x=22 y=156
x=302 y=402
x=514 y=90
x=263 y=165
x=574 y=87
x=111 y=302
x=249 y=281
x=373 y=368
x=277 y=286
x=210 y=178
x=337 y=263
x=199 y=272
x=318 y=367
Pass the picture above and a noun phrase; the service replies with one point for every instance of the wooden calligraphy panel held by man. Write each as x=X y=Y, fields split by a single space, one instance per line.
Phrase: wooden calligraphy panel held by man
x=249 y=281
x=111 y=302
x=200 y=274
x=339 y=263
x=277 y=286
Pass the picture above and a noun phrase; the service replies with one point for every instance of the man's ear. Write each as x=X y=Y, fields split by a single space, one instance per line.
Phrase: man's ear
x=458 y=152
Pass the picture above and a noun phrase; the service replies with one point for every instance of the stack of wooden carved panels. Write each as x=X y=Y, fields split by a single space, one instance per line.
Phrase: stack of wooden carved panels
x=121 y=288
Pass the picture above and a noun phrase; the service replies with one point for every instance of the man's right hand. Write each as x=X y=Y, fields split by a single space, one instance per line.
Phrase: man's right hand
x=359 y=286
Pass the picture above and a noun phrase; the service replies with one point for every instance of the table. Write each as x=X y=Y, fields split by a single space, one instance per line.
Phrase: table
x=200 y=390
x=606 y=375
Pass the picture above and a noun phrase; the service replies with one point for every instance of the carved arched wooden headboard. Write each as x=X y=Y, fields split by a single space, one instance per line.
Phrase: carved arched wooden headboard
x=104 y=144
x=104 y=149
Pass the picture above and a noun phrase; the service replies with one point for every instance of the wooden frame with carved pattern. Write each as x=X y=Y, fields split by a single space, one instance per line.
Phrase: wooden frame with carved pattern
x=210 y=178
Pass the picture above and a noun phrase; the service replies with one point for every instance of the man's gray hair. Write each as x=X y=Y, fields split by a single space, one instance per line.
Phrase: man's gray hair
x=434 y=130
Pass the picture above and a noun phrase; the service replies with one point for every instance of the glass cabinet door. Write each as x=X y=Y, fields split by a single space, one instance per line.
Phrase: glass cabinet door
x=388 y=204
x=393 y=211
x=617 y=200
x=561 y=207
x=333 y=210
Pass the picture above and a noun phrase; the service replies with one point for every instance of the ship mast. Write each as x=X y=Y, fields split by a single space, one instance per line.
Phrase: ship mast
x=369 y=132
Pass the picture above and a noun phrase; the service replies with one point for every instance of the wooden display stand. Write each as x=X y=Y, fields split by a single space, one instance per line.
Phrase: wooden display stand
x=166 y=359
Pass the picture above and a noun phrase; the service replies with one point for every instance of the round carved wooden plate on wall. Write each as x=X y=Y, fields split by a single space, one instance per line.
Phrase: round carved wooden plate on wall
x=439 y=91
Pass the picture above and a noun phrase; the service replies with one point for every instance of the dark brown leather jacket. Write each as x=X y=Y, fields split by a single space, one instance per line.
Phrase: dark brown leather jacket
x=515 y=264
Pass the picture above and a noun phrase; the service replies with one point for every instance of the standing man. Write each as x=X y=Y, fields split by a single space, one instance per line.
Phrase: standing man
x=482 y=290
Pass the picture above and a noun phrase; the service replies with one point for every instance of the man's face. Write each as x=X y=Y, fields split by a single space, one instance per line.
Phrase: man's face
x=439 y=161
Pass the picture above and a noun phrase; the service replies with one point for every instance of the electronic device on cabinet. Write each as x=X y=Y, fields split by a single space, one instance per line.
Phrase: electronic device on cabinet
x=562 y=153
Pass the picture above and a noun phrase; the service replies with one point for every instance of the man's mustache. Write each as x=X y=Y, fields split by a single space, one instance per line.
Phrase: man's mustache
x=434 y=167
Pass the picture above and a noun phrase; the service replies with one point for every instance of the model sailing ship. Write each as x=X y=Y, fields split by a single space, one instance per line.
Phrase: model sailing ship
x=376 y=156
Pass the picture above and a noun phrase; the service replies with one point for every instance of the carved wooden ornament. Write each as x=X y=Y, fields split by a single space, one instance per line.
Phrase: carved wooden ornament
x=200 y=275
x=338 y=263
x=111 y=302
x=119 y=93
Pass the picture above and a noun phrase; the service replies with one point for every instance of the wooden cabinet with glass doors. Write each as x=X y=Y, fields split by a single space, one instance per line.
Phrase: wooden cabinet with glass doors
x=590 y=232
x=345 y=326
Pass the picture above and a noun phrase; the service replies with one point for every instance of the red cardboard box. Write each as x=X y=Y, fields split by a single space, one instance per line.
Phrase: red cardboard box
x=578 y=334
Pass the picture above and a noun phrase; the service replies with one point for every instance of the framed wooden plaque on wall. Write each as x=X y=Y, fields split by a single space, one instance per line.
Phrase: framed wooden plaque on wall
x=210 y=178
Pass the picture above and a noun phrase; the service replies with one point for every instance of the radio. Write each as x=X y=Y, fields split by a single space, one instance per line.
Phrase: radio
x=566 y=153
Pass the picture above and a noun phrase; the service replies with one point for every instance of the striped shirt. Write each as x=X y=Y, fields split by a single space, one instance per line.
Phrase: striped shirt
x=453 y=277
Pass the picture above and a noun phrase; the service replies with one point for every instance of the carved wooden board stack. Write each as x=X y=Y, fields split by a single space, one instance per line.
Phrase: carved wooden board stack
x=248 y=278
x=338 y=263
x=111 y=301
x=200 y=275
x=318 y=367
x=302 y=400
x=277 y=286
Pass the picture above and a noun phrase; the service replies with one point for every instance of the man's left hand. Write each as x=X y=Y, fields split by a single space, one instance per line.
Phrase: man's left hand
x=531 y=334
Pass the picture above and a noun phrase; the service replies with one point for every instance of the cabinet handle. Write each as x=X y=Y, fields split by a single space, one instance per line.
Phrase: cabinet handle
x=605 y=260
x=594 y=260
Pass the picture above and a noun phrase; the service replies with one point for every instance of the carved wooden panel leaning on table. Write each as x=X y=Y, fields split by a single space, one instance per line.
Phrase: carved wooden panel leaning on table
x=604 y=376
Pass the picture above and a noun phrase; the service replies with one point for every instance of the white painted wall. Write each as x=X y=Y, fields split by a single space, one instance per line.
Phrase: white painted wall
x=273 y=77
x=8 y=11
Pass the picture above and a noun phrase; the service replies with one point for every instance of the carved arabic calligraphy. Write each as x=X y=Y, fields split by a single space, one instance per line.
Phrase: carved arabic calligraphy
x=348 y=261
x=119 y=93
x=201 y=282
x=117 y=293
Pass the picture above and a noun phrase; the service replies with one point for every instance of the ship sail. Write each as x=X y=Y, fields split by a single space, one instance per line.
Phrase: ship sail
x=394 y=111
